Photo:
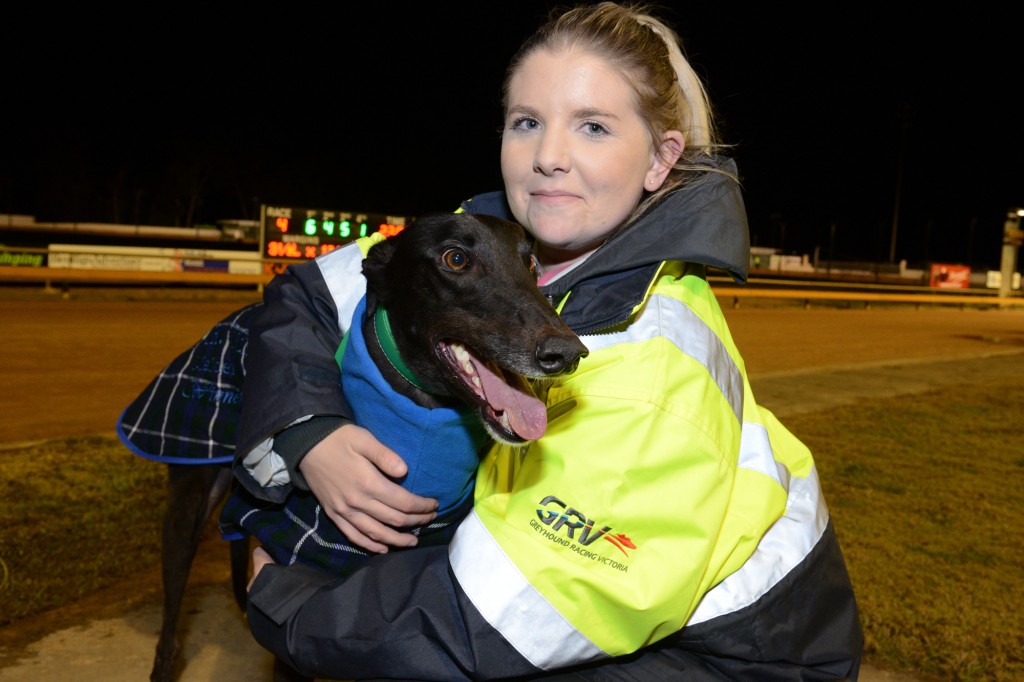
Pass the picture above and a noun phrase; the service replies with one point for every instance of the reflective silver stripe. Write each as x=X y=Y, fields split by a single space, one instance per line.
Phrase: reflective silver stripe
x=786 y=544
x=756 y=454
x=792 y=537
x=510 y=603
x=666 y=317
x=342 y=270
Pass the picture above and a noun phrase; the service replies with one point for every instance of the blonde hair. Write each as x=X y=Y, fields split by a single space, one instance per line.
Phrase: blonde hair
x=669 y=94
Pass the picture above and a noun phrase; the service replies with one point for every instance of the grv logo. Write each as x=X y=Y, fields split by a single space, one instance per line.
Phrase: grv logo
x=570 y=520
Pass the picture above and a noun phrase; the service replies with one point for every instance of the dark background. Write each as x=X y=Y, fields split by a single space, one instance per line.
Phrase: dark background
x=186 y=115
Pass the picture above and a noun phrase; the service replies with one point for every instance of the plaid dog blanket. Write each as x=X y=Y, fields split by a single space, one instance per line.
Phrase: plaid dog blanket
x=440 y=446
x=189 y=413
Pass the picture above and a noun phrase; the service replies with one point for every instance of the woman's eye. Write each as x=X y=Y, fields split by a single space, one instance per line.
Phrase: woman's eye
x=456 y=259
x=594 y=129
x=525 y=123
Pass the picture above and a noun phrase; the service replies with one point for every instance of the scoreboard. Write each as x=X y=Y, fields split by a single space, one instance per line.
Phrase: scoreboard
x=294 y=234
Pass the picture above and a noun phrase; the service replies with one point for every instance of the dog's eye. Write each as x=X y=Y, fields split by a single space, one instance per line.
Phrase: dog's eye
x=456 y=259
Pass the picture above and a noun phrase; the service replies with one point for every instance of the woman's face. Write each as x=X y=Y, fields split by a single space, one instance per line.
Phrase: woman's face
x=575 y=154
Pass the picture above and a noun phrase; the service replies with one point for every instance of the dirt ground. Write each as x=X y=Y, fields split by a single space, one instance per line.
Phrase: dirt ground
x=71 y=364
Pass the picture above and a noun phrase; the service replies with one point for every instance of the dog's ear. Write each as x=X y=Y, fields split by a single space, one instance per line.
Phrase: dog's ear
x=375 y=265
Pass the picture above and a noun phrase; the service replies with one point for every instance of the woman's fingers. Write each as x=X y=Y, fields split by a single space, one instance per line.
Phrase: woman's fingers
x=260 y=558
x=346 y=473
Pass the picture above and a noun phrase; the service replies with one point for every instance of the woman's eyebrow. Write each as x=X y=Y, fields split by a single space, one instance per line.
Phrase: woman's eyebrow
x=584 y=112
x=593 y=112
x=523 y=110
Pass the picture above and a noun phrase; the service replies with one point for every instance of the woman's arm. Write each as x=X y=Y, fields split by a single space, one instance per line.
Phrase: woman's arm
x=293 y=383
x=530 y=582
x=401 y=616
x=348 y=473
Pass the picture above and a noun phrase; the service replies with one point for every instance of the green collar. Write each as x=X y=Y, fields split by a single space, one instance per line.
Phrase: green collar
x=387 y=344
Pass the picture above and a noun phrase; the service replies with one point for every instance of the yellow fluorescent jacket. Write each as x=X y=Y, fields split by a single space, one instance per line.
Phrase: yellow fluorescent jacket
x=657 y=497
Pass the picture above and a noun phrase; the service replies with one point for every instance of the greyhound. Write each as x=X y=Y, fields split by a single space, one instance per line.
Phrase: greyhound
x=452 y=320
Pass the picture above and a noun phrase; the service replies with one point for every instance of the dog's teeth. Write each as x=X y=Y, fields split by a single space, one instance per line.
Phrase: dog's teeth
x=505 y=422
x=463 y=356
x=476 y=382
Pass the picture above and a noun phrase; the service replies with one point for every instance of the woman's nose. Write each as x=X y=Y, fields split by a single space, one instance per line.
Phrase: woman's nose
x=552 y=154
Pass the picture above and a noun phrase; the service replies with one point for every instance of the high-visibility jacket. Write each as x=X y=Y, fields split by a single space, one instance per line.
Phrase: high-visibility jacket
x=665 y=526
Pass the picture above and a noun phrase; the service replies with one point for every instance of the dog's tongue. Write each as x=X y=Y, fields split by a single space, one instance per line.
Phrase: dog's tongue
x=527 y=415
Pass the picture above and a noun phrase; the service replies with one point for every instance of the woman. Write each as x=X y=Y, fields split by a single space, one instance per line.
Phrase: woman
x=665 y=527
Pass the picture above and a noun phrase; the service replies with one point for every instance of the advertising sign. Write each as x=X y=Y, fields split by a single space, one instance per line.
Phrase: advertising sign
x=945 y=276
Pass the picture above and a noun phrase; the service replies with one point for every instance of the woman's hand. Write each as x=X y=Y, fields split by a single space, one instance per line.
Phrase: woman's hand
x=260 y=558
x=348 y=473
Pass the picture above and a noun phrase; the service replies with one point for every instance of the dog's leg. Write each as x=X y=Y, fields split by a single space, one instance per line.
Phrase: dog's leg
x=240 y=572
x=193 y=492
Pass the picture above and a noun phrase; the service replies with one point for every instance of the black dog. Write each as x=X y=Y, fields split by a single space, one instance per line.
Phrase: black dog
x=457 y=297
x=452 y=319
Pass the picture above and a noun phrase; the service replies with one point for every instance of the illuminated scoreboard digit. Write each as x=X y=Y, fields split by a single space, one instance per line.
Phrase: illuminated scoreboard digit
x=290 y=233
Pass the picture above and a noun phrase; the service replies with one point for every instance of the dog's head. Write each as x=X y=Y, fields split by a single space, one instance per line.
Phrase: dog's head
x=467 y=317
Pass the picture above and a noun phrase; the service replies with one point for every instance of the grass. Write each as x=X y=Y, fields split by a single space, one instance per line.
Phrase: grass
x=78 y=515
x=927 y=493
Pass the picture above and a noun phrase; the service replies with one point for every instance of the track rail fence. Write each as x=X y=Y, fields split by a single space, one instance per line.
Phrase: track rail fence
x=805 y=291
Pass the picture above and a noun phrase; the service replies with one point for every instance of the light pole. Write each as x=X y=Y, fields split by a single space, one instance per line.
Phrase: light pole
x=1013 y=237
x=904 y=115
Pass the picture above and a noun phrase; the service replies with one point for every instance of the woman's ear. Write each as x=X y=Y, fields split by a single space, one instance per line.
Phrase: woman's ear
x=664 y=157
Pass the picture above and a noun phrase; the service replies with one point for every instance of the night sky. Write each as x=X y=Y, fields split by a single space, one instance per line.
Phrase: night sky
x=834 y=116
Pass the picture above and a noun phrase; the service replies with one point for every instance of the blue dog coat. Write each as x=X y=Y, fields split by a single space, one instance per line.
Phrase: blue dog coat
x=440 y=446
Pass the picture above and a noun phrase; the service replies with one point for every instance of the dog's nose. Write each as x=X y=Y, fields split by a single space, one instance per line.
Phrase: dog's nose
x=560 y=355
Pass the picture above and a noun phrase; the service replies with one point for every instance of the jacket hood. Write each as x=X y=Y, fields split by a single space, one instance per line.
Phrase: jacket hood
x=704 y=222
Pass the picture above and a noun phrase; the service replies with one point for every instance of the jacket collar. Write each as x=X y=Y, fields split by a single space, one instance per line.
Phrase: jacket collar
x=703 y=223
